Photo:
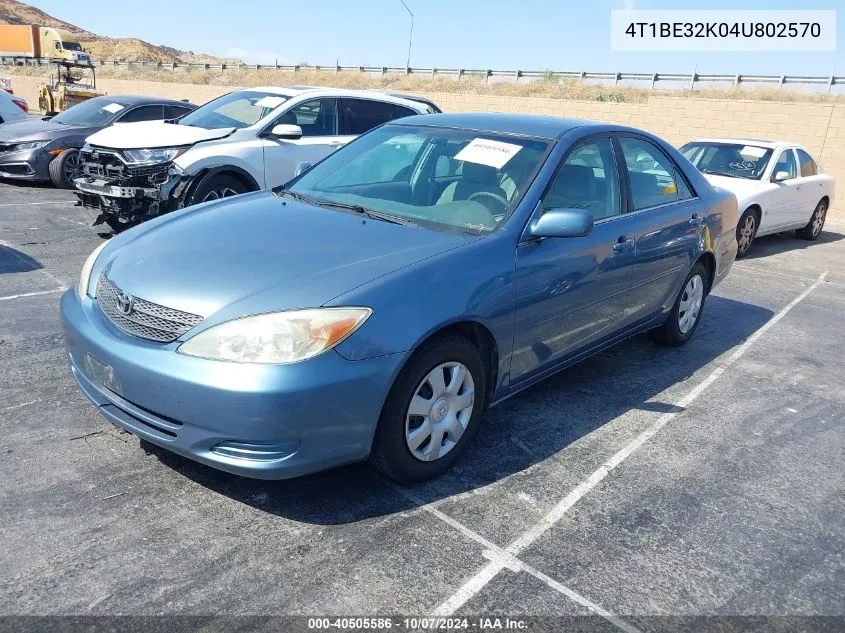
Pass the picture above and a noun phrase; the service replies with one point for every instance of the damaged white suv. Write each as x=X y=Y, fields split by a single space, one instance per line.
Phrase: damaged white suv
x=246 y=140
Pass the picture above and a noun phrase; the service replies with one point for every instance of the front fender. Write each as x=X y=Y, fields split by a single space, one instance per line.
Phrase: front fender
x=473 y=283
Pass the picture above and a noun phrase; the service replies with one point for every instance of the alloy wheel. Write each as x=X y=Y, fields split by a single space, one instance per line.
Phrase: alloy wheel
x=73 y=167
x=690 y=304
x=216 y=194
x=746 y=232
x=818 y=218
x=439 y=411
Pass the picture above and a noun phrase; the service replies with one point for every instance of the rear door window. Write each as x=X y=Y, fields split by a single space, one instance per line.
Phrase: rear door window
x=362 y=115
x=175 y=111
x=806 y=164
x=143 y=113
x=654 y=178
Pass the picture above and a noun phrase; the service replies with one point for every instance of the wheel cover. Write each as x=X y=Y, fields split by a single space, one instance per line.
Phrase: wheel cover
x=72 y=167
x=221 y=192
x=746 y=233
x=690 y=305
x=818 y=218
x=439 y=411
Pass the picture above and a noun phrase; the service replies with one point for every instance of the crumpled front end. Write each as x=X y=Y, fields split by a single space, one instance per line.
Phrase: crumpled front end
x=126 y=194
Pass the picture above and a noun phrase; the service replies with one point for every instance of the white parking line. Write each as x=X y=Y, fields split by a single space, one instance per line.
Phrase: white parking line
x=495 y=553
x=33 y=294
x=769 y=271
x=475 y=584
x=29 y=204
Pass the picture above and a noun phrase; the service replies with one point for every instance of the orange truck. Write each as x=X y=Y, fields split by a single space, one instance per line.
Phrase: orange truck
x=30 y=40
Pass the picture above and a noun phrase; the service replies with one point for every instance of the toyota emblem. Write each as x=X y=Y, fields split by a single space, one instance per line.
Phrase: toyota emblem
x=125 y=303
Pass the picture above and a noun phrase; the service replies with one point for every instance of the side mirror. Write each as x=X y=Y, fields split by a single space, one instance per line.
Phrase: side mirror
x=781 y=176
x=567 y=222
x=286 y=131
x=302 y=167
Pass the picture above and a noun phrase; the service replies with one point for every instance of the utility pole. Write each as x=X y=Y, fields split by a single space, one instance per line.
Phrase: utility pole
x=411 y=36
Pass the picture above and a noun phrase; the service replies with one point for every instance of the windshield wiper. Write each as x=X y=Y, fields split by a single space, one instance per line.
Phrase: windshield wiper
x=299 y=197
x=370 y=213
x=356 y=208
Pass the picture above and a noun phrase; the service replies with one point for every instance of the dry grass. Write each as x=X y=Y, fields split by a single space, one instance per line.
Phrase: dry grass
x=569 y=90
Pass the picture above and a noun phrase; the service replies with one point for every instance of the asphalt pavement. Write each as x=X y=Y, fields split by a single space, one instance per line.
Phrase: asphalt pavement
x=705 y=480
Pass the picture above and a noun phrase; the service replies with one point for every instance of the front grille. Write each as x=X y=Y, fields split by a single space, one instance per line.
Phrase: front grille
x=145 y=319
x=99 y=163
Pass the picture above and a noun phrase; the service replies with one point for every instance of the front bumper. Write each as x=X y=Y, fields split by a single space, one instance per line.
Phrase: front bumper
x=262 y=421
x=30 y=164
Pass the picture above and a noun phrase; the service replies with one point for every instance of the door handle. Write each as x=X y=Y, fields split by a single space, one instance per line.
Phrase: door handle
x=623 y=244
x=696 y=220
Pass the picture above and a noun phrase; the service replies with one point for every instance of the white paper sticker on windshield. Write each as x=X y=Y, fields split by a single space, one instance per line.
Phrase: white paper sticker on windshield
x=270 y=102
x=753 y=152
x=113 y=107
x=486 y=152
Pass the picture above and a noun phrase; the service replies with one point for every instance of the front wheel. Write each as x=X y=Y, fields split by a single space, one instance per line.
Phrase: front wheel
x=64 y=168
x=816 y=224
x=217 y=187
x=686 y=313
x=431 y=412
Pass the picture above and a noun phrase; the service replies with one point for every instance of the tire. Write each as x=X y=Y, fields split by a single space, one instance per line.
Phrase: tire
x=680 y=325
x=216 y=187
x=816 y=224
x=746 y=231
x=399 y=426
x=64 y=168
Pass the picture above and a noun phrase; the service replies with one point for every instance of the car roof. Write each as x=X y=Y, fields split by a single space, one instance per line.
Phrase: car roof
x=759 y=142
x=131 y=100
x=295 y=91
x=548 y=127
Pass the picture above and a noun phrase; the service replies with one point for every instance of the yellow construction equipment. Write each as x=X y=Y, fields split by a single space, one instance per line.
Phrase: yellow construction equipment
x=67 y=87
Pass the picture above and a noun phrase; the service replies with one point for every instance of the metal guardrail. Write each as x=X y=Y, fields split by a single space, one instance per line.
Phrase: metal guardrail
x=690 y=80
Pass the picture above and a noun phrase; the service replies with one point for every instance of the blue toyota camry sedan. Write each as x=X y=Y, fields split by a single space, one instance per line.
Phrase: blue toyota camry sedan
x=377 y=304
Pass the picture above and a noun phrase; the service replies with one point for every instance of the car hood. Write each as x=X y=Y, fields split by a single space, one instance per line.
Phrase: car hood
x=259 y=253
x=39 y=130
x=147 y=134
x=740 y=187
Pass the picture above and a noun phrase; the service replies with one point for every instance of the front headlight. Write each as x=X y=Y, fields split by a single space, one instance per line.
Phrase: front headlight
x=151 y=156
x=85 y=277
x=19 y=147
x=278 y=337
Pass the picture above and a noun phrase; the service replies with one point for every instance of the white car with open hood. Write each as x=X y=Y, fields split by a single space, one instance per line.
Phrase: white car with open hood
x=778 y=185
x=246 y=140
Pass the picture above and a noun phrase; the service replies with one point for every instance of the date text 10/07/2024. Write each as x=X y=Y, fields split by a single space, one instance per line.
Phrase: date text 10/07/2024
x=414 y=624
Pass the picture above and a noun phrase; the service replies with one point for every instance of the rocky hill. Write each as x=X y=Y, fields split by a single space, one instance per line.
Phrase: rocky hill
x=100 y=47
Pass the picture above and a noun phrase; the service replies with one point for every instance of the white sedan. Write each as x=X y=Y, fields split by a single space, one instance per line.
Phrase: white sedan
x=778 y=185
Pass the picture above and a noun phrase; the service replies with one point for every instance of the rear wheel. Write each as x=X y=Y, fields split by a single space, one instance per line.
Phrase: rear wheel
x=816 y=224
x=686 y=313
x=746 y=231
x=64 y=168
x=217 y=187
x=431 y=412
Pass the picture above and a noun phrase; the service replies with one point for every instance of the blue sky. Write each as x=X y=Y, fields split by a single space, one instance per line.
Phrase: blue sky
x=499 y=34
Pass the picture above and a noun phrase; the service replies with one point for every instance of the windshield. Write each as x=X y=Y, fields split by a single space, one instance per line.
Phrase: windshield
x=237 y=109
x=94 y=112
x=442 y=178
x=728 y=159
x=71 y=46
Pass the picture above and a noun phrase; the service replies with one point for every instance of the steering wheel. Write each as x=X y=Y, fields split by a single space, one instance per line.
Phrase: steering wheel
x=501 y=201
